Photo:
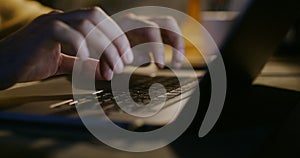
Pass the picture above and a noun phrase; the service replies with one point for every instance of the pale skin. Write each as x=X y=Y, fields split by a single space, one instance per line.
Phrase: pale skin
x=40 y=49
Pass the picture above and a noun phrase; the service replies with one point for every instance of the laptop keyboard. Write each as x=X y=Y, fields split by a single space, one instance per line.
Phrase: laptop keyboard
x=139 y=92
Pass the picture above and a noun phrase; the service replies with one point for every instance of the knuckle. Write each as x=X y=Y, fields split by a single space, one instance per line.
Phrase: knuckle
x=129 y=16
x=83 y=23
x=96 y=9
x=96 y=12
x=153 y=30
x=151 y=25
x=170 y=20
x=55 y=25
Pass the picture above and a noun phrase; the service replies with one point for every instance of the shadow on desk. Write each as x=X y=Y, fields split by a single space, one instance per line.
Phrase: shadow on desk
x=246 y=128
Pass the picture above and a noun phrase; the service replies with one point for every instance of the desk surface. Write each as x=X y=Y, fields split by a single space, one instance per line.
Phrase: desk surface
x=57 y=143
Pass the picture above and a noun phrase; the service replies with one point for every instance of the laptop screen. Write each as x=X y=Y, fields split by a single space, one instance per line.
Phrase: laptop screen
x=256 y=34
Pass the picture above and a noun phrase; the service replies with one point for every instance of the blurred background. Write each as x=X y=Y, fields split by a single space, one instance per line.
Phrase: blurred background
x=113 y=6
x=216 y=15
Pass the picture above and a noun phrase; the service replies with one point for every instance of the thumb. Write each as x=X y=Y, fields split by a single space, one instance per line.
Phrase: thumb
x=67 y=63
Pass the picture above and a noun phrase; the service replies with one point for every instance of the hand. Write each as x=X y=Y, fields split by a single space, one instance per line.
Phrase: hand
x=163 y=29
x=35 y=53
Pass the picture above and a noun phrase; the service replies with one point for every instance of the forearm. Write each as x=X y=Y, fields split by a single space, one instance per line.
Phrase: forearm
x=14 y=14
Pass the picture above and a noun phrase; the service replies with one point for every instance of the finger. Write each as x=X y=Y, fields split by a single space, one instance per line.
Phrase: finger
x=100 y=19
x=86 y=29
x=93 y=37
x=112 y=58
x=172 y=35
x=153 y=35
x=100 y=45
x=62 y=33
x=67 y=64
x=141 y=58
x=105 y=70
x=118 y=38
x=149 y=31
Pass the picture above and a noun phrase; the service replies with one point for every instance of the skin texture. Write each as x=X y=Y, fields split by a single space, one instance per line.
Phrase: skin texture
x=49 y=44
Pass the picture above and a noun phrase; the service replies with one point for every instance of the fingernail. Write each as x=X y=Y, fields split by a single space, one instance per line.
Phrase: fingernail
x=83 y=51
x=160 y=65
x=109 y=75
x=177 y=65
x=129 y=57
x=119 y=67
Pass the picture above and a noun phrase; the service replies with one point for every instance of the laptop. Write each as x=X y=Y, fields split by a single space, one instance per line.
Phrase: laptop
x=253 y=38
